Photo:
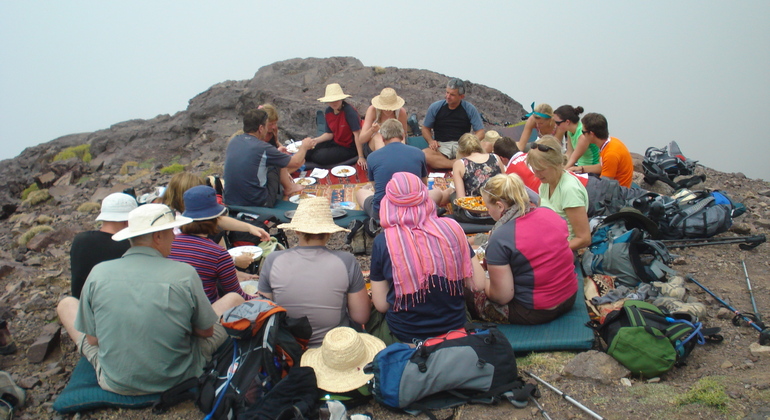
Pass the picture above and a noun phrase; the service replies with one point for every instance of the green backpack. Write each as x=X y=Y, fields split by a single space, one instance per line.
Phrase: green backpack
x=649 y=342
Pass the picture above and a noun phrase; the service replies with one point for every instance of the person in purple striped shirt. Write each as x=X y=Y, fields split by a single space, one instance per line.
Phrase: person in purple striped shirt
x=213 y=264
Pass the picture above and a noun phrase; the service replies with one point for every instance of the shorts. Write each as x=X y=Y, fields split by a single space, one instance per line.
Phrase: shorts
x=448 y=149
x=368 y=208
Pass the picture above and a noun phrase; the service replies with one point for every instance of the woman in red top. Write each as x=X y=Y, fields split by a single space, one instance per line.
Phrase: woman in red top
x=343 y=127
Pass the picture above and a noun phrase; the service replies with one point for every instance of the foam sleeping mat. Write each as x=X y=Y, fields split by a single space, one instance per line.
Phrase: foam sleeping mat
x=83 y=393
x=281 y=207
x=568 y=332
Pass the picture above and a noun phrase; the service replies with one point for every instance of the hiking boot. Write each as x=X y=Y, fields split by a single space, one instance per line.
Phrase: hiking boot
x=675 y=306
x=10 y=392
x=670 y=290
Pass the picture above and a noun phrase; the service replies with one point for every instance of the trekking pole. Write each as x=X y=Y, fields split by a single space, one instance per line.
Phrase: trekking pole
x=744 y=242
x=764 y=333
x=565 y=396
x=751 y=292
x=540 y=407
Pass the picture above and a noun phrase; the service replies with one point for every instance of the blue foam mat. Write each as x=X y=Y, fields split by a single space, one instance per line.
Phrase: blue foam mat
x=568 y=332
x=83 y=393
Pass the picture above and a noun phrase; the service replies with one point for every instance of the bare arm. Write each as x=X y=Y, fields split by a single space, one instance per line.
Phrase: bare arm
x=380 y=295
x=298 y=159
x=526 y=134
x=478 y=280
x=370 y=127
x=359 y=306
x=324 y=137
x=577 y=153
x=92 y=340
x=500 y=286
x=427 y=133
x=228 y=223
x=458 y=171
x=480 y=134
x=578 y=219
x=359 y=149
x=402 y=118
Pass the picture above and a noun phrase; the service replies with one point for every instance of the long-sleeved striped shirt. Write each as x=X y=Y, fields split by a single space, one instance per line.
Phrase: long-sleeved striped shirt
x=213 y=264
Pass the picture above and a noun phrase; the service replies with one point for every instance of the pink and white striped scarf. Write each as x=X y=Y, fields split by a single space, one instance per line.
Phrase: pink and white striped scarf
x=420 y=243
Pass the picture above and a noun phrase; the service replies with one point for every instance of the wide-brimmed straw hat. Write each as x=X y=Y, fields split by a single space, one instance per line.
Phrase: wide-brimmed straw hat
x=200 y=203
x=333 y=93
x=313 y=215
x=116 y=206
x=339 y=362
x=491 y=136
x=150 y=218
x=388 y=100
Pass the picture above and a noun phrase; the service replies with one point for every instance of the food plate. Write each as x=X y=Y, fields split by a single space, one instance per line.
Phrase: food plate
x=305 y=180
x=472 y=204
x=343 y=171
x=336 y=213
x=250 y=287
x=293 y=147
x=238 y=250
x=295 y=198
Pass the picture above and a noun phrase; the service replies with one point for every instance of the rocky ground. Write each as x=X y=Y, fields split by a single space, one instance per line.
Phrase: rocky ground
x=36 y=276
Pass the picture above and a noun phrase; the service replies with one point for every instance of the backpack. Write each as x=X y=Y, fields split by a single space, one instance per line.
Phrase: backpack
x=664 y=164
x=647 y=341
x=626 y=254
x=361 y=236
x=476 y=364
x=263 y=346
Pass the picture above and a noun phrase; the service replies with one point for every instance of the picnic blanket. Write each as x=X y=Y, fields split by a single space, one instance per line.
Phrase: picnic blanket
x=83 y=393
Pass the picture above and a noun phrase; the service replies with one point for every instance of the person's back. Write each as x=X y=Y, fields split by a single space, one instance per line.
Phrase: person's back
x=142 y=306
x=617 y=162
x=247 y=162
x=479 y=168
x=394 y=157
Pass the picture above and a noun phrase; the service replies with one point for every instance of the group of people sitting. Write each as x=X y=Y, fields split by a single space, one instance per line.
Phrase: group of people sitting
x=160 y=266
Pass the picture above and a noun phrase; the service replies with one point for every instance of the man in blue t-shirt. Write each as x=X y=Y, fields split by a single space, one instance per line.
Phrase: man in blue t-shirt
x=253 y=166
x=448 y=120
x=394 y=157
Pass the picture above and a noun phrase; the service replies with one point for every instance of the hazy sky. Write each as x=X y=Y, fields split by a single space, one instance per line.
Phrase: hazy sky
x=691 y=71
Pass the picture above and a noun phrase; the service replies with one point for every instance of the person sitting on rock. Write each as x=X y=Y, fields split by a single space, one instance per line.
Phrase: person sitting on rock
x=94 y=246
x=615 y=159
x=340 y=140
x=253 y=166
x=311 y=280
x=445 y=122
x=193 y=246
x=540 y=119
x=143 y=321
x=384 y=106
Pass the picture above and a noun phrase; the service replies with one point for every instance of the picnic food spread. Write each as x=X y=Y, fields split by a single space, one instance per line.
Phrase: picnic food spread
x=475 y=204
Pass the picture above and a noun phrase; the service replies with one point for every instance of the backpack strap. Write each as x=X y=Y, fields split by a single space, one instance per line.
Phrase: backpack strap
x=187 y=390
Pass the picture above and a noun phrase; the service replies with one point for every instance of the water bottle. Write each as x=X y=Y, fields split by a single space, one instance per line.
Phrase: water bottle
x=430 y=183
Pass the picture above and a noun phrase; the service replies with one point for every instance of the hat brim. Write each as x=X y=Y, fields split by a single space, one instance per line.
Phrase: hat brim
x=109 y=216
x=334 y=380
x=197 y=218
x=635 y=218
x=334 y=98
x=313 y=228
x=128 y=233
x=395 y=107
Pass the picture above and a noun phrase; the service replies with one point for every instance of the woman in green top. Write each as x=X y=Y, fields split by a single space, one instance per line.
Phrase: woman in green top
x=579 y=151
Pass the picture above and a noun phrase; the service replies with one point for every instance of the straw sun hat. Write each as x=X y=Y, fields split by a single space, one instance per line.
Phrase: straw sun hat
x=333 y=93
x=388 y=100
x=313 y=215
x=339 y=362
x=150 y=218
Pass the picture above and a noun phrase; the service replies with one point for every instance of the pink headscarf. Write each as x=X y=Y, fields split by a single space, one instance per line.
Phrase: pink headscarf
x=420 y=243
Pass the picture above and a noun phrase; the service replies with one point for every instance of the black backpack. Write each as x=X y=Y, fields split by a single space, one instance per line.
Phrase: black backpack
x=263 y=346
x=665 y=164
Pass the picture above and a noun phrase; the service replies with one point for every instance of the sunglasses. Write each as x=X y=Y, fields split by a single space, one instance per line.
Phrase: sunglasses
x=585 y=132
x=557 y=122
x=541 y=147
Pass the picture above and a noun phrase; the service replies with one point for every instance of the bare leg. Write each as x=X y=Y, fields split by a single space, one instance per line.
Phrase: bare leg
x=226 y=302
x=67 y=311
x=363 y=193
x=289 y=187
x=441 y=197
x=436 y=160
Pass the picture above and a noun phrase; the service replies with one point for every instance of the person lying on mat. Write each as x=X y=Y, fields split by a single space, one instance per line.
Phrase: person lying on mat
x=340 y=140
x=311 y=280
x=394 y=157
x=420 y=264
x=540 y=119
x=447 y=120
x=143 y=320
x=615 y=159
x=559 y=190
x=532 y=276
x=253 y=167
x=193 y=246
x=387 y=105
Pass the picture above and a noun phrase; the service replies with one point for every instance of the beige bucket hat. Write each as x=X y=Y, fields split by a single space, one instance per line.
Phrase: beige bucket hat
x=339 y=362
x=313 y=215
x=116 y=207
x=388 y=100
x=333 y=93
x=150 y=218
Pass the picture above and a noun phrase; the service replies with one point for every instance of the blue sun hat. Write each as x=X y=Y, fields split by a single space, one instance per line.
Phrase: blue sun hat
x=200 y=203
